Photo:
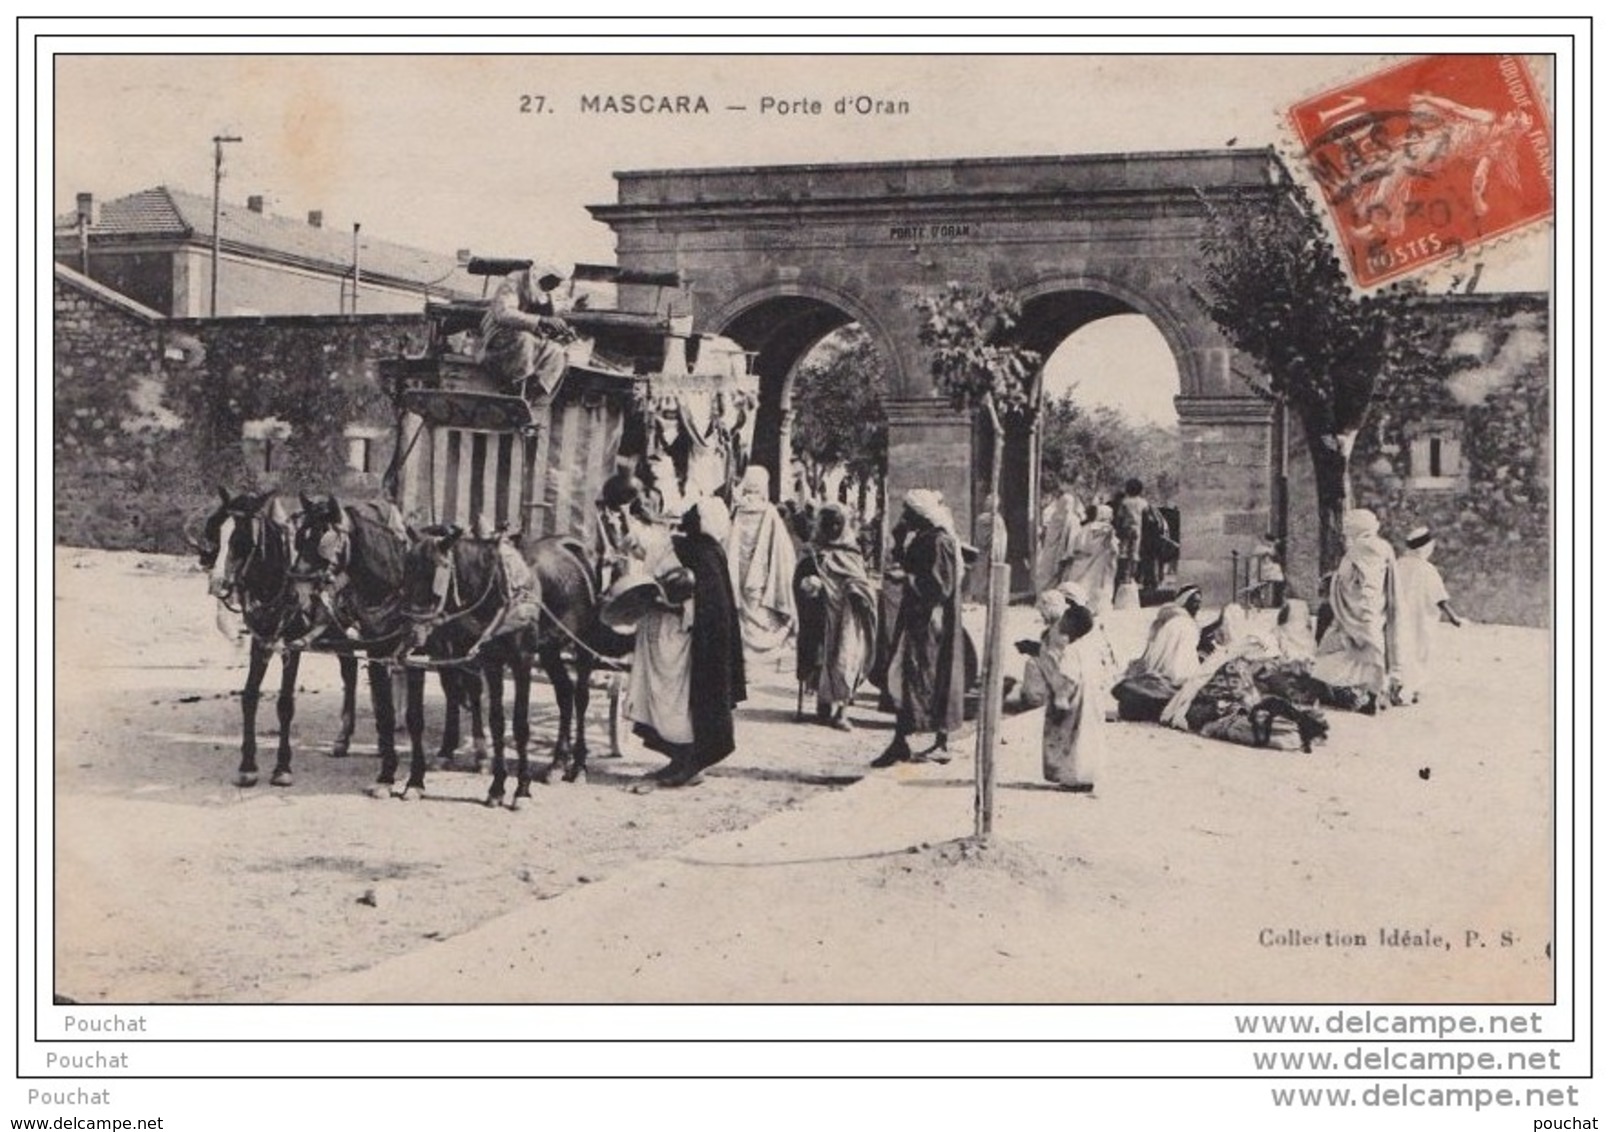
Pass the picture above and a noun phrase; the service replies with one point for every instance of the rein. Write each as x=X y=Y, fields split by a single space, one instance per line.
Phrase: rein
x=438 y=615
x=236 y=585
x=470 y=657
x=579 y=643
x=335 y=578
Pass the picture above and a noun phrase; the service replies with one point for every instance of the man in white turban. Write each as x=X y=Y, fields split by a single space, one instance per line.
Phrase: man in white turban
x=1425 y=602
x=1171 y=657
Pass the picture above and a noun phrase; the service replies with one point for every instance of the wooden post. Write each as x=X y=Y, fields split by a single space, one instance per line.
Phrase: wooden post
x=993 y=641
x=989 y=725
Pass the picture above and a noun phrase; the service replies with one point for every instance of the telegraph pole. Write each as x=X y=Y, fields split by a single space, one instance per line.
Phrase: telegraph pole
x=218 y=141
x=357 y=270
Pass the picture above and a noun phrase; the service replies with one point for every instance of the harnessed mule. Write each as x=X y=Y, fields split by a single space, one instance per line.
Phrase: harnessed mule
x=349 y=573
x=460 y=596
x=571 y=601
x=246 y=551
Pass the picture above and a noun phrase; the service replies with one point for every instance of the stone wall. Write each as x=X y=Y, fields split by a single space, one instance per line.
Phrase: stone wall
x=152 y=414
x=268 y=400
x=120 y=480
x=1224 y=493
x=1484 y=421
x=1486 y=406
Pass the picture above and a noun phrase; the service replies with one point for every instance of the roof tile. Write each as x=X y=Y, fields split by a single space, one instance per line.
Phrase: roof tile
x=165 y=211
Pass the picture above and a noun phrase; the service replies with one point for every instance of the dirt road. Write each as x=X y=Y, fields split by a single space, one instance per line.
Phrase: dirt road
x=780 y=879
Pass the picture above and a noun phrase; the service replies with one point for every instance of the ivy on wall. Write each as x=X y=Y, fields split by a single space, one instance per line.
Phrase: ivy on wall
x=1489 y=386
x=315 y=379
x=123 y=476
x=150 y=414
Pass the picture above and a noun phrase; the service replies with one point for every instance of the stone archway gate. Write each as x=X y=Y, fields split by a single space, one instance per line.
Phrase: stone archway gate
x=777 y=256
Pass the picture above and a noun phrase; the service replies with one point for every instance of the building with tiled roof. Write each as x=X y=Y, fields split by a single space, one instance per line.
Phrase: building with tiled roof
x=156 y=247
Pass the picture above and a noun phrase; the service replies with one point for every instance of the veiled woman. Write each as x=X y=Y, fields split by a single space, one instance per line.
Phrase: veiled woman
x=927 y=675
x=692 y=635
x=1058 y=528
x=760 y=557
x=1357 y=658
x=1092 y=564
x=849 y=623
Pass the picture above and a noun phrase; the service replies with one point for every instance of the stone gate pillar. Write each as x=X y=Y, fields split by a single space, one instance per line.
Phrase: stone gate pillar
x=929 y=445
x=1225 y=487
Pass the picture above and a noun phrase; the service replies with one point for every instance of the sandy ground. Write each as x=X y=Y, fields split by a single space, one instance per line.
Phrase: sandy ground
x=794 y=873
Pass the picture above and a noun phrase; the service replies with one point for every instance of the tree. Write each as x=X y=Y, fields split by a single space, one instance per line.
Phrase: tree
x=838 y=411
x=963 y=330
x=1097 y=447
x=1273 y=283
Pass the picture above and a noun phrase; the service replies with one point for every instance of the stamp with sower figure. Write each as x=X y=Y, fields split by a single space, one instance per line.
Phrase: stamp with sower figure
x=1428 y=160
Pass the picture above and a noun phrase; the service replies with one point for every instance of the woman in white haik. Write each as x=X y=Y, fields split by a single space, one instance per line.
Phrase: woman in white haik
x=761 y=558
x=1424 y=601
x=659 y=691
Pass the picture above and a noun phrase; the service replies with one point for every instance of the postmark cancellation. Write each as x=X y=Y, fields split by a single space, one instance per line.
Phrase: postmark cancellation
x=1428 y=160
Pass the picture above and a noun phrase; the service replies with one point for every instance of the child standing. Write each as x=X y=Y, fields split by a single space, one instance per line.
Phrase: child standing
x=1423 y=602
x=1076 y=680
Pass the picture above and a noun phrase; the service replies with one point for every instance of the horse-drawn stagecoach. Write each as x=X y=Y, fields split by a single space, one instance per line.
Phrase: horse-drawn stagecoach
x=640 y=387
x=487 y=554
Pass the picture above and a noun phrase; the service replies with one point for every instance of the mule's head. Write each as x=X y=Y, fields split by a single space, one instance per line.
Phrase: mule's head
x=229 y=540
x=429 y=579
x=322 y=540
x=212 y=536
x=320 y=550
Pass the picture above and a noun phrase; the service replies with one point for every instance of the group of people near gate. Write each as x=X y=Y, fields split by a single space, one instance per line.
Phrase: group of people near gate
x=1111 y=550
x=729 y=584
x=1368 y=648
x=732 y=583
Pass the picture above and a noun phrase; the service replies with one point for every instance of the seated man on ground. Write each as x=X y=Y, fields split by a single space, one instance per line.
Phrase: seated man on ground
x=1253 y=689
x=1170 y=658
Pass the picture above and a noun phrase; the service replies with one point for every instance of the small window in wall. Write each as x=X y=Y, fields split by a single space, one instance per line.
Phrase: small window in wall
x=363 y=453
x=1436 y=458
x=264 y=443
x=359 y=453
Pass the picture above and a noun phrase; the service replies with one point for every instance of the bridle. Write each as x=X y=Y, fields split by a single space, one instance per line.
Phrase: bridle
x=326 y=572
x=236 y=596
x=444 y=591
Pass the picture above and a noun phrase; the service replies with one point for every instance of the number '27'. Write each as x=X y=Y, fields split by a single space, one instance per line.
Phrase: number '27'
x=533 y=103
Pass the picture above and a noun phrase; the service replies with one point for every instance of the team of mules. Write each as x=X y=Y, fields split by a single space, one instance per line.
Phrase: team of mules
x=316 y=575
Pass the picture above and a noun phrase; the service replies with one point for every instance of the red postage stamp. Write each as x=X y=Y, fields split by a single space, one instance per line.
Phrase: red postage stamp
x=1427 y=160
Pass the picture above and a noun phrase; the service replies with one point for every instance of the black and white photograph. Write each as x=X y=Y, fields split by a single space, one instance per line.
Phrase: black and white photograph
x=807 y=525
